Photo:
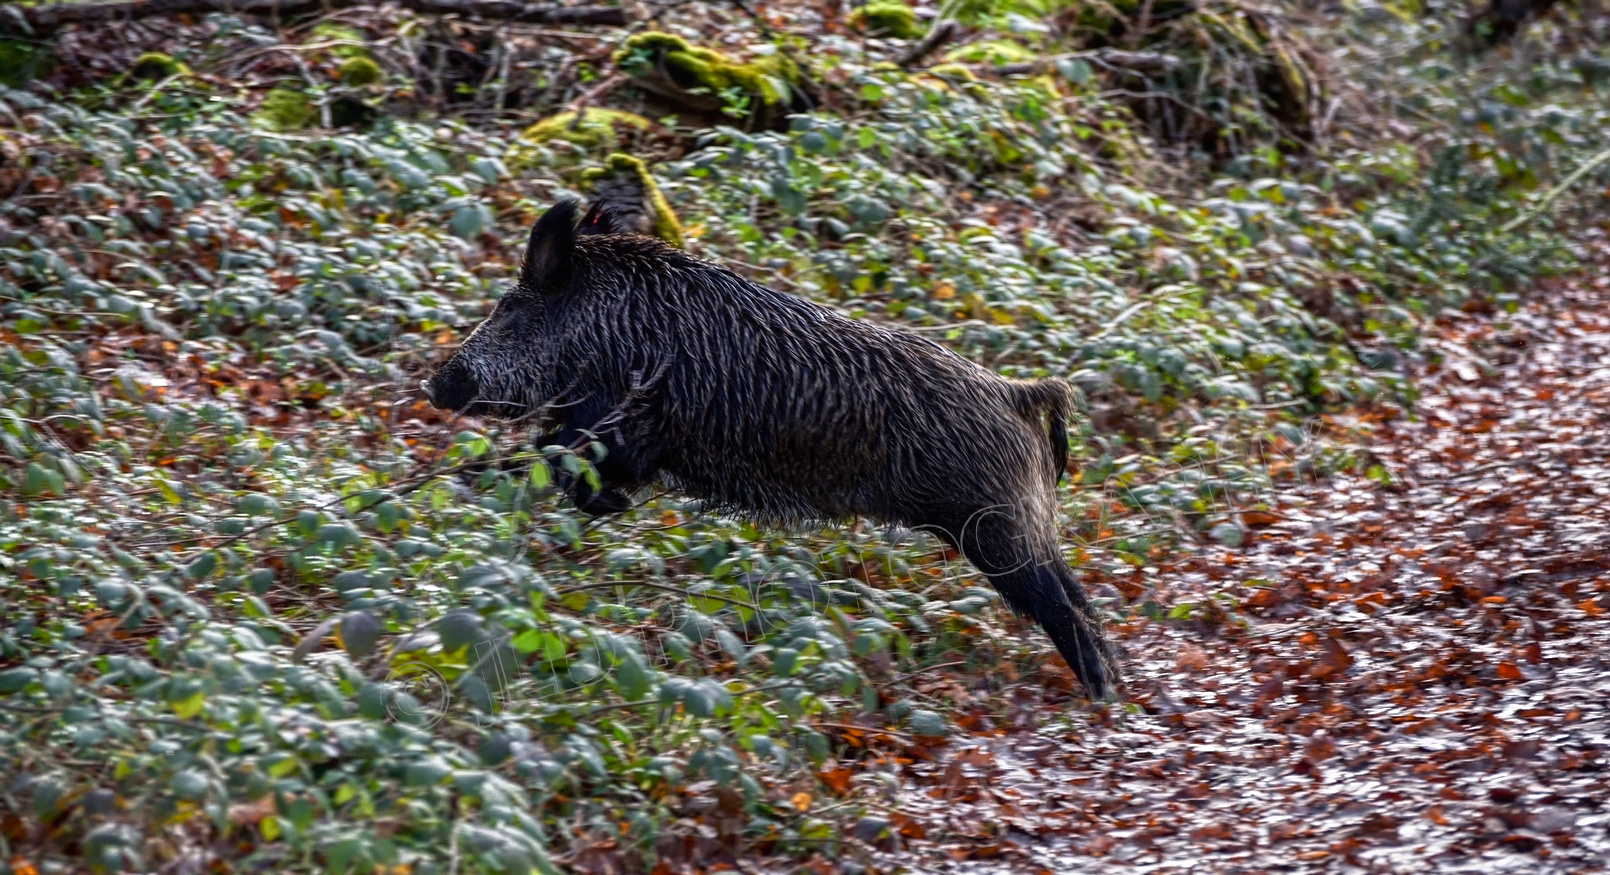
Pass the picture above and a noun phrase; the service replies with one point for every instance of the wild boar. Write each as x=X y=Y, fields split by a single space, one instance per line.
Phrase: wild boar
x=769 y=406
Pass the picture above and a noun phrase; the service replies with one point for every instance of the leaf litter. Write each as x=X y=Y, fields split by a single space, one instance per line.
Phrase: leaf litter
x=1397 y=676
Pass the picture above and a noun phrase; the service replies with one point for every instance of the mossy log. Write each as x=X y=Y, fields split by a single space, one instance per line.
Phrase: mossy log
x=1217 y=74
x=38 y=21
x=891 y=18
x=594 y=129
x=703 y=80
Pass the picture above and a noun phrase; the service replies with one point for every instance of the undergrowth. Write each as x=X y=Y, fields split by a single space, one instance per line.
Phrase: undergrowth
x=263 y=605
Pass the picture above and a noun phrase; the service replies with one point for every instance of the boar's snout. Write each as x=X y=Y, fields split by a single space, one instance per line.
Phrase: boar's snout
x=451 y=388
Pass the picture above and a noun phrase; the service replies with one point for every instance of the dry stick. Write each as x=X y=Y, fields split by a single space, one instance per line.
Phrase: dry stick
x=869 y=730
x=763 y=688
x=942 y=32
x=1554 y=193
x=312 y=47
x=504 y=54
x=591 y=95
x=1114 y=58
x=155 y=90
x=1118 y=320
x=660 y=586
x=40 y=21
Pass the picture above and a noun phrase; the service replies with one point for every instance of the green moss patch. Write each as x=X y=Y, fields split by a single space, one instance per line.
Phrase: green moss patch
x=359 y=71
x=152 y=67
x=332 y=32
x=286 y=110
x=999 y=51
x=596 y=129
x=950 y=77
x=887 y=18
x=665 y=224
x=597 y=126
x=693 y=69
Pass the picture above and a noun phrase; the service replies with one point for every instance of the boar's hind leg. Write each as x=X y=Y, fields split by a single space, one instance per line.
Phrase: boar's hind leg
x=1038 y=588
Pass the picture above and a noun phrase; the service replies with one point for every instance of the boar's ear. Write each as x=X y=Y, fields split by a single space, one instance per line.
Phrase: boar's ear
x=547 y=254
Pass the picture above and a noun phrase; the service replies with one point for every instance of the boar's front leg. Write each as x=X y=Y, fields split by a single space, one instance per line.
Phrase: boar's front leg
x=615 y=474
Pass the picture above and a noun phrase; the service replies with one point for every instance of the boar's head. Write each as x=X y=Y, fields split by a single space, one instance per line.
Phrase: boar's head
x=501 y=368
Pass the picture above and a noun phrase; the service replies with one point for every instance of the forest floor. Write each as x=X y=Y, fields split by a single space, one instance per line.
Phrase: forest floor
x=262 y=609
x=1416 y=678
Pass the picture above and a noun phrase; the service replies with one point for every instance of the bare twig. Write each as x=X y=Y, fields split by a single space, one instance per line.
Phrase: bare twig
x=660 y=586
x=594 y=94
x=1554 y=193
x=942 y=32
x=1114 y=58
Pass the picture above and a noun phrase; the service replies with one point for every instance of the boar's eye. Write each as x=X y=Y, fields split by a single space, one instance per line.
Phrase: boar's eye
x=514 y=303
x=513 y=300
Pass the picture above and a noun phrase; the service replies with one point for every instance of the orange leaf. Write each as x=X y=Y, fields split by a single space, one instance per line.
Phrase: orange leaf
x=1336 y=659
x=1255 y=518
x=1191 y=658
x=909 y=827
x=838 y=780
x=1509 y=671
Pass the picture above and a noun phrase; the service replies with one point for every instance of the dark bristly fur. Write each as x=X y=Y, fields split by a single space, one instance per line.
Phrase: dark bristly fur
x=771 y=406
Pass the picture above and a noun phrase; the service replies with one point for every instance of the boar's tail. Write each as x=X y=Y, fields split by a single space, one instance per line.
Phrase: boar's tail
x=1059 y=442
x=1048 y=397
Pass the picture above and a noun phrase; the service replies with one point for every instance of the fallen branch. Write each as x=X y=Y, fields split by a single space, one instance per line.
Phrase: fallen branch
x=40 y=21
x=1554 y=193
x=942 y=32
x=660 y=586
x=1116 y=59
x=592 y=96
